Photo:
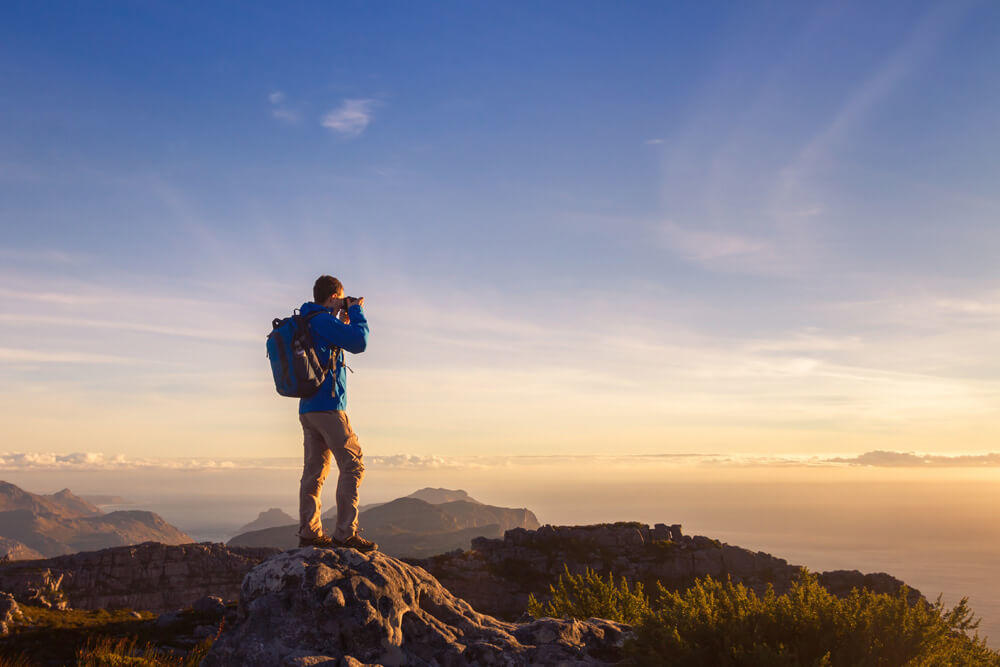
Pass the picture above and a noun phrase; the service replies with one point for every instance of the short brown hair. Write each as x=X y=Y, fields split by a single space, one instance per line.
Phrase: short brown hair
x=325 y=287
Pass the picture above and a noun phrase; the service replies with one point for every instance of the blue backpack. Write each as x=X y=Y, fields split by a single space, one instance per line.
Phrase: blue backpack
x=294 y=364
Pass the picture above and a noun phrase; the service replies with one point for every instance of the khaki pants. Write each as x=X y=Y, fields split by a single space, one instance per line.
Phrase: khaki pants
x=328 y=433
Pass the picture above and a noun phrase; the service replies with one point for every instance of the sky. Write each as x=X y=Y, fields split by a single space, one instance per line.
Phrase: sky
x=581 y=228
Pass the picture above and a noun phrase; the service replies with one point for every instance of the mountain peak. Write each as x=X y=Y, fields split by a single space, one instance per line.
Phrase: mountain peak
x=440 y=496
x=269 y=518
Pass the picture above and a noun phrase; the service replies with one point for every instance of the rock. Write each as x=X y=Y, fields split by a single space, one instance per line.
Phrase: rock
x=497 y=576
x=209 y=605
x=168 y=619
x=320 y=606
x=842 y=582
x=152 y=576
x=10 y=613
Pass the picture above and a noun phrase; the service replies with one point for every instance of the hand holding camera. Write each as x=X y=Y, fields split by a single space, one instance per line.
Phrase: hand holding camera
x=346 y=303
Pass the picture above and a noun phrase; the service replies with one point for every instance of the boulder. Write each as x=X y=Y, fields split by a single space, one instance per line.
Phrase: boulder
x=10 y=613
x=340 y=607
x=209 y=605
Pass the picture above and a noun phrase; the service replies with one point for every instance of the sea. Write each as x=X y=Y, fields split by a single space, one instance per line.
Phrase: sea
x=936 y=528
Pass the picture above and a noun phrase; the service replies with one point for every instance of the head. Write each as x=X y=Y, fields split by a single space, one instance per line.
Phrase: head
x=328 y=292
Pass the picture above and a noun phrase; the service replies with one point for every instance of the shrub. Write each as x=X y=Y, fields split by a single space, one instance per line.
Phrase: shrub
x=588 y=596
x=727 y=624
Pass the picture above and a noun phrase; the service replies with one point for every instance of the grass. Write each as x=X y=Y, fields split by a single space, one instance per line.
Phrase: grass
x=108 y=638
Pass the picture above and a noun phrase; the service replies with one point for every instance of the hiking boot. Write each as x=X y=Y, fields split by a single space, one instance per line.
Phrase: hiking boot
x=355 y=541
x=323 y=541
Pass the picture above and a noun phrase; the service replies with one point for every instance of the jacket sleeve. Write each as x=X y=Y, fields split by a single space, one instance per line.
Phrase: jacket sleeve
x=352 y=337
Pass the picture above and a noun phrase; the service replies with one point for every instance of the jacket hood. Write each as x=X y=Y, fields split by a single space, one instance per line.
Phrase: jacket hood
x=311 y=307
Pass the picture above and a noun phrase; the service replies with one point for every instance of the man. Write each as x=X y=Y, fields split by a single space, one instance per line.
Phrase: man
x=327 y=431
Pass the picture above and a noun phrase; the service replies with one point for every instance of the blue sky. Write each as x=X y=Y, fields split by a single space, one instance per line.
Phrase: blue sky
x=754 y=227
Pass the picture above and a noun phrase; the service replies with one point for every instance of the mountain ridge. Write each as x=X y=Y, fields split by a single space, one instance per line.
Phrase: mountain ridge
x=409 y=526
x=63 y=523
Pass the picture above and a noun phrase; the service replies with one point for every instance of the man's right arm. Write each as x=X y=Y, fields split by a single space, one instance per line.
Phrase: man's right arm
x=352 y=337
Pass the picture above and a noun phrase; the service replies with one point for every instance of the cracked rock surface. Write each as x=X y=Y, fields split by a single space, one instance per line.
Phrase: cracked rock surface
x=340 y=607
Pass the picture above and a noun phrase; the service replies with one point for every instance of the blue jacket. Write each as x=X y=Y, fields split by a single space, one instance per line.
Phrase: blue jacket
x=327 y=332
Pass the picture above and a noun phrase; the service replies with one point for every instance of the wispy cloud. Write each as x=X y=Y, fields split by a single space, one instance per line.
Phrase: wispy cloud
x=653 y=142
x=280 y=110
x=922 y=40
x=882 y=458
x=49 y=256
x=351 y=118
x=15 y=355
x=96 y=461
x=99 y=461
x=141 y=327
x=719 y=250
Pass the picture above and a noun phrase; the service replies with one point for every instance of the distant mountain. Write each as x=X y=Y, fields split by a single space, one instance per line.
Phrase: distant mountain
x=62 y=504
x=413 y=527
x=268 y=519
x=14 y=550
x=63 y=523
x=439 y=496
x=427 y=494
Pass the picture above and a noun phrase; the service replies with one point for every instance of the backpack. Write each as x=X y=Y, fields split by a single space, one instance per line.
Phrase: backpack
x=294 y=364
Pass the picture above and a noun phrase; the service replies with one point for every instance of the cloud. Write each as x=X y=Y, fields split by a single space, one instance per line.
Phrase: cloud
x=882 y=458
x=98 y=461
x=351 y=118
x=921 y=42
x=140 y=327
x=48 y=256
x=63 y=298
x=713 y=248
x=281 y=111
x=653 y=142
x=15 y=355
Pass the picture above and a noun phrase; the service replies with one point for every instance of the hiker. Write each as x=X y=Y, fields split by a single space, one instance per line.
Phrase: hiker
x=326 y=428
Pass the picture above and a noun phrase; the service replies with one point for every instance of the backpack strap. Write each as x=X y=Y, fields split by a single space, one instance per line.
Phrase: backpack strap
x=334 y=350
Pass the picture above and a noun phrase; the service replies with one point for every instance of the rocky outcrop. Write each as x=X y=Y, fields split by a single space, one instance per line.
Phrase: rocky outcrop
x=340 y=607
x=10 y=613
x=412 y=527
x=151 y=576
x=11 y=549
x=497 y=575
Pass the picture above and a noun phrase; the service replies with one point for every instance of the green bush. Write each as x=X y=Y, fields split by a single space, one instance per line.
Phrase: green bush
x=588 y=596
x=727 y=624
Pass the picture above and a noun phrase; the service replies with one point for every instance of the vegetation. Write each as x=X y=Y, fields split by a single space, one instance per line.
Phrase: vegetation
x=108 y=638
x=589 y=596
x=727 y=624
x=103 y=651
